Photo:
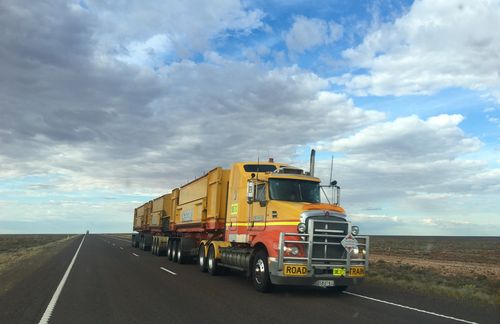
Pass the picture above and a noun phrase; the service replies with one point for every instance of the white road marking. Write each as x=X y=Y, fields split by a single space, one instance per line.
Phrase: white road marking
x=171 y=272
x=135 y=254
x=121 y=248
x=50 y=307
x=410 y=308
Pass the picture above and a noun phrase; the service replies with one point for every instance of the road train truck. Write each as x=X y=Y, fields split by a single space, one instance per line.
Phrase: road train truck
x=263 y=218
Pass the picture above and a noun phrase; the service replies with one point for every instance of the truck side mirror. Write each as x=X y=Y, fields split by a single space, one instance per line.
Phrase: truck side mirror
x=250 y=192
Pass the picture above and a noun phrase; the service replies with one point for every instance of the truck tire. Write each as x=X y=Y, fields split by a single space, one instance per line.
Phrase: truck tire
x=260 y=272
x=161 y=249
x=202 y=260
x=175 y=246
x=212 y=266
x=169 y=249
x=181 y=258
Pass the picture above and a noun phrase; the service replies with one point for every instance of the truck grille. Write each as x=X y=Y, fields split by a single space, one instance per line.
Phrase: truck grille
x=322 y=247
x=322 y=233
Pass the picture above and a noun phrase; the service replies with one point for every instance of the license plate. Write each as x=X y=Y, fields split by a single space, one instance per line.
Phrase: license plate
x=357 y=272
x=294 y=270
x=324 y=283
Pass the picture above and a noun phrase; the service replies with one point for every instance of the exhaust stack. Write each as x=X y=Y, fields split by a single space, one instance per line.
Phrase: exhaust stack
x=312 y=161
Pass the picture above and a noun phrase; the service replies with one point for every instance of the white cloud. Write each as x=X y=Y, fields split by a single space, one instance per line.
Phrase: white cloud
x=307 y=33
x=361 y=217
x=142 y=127
x=148 y=52
x=436 y=45
x=494 y=120
x=417 y=166
x=410 y=139
x=177 y=28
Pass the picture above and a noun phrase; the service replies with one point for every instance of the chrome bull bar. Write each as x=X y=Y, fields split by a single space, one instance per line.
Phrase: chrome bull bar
x=311 y=238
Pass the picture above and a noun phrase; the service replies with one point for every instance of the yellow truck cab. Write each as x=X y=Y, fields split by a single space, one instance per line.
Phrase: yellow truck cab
x=275 y=210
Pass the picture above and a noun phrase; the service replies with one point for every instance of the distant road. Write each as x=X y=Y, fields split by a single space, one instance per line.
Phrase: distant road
x=111 y=282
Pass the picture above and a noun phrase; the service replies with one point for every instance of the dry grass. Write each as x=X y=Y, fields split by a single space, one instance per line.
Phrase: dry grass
x=123 y=236
x=15 y=249
x=466 y=268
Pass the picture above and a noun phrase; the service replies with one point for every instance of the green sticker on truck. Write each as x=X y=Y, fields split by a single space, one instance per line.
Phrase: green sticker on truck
x=234 y=209
x=339 y=272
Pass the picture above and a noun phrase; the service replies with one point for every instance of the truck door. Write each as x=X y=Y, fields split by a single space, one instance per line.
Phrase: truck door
x=259 y=208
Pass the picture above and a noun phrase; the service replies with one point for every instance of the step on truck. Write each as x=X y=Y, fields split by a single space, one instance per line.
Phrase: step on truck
x=265 y=219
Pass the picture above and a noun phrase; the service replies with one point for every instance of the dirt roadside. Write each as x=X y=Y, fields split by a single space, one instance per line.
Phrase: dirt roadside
x=444 y=267
x=17 y=265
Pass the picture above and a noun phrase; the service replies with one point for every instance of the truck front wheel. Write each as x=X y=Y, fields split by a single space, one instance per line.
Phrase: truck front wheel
x=260 y=272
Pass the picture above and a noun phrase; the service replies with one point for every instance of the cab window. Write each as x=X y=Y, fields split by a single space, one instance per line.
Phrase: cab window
x=294 y=190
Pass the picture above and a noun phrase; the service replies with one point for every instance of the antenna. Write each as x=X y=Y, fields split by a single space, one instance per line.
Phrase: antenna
x=258 y=165
x=331 y=176
x=331 y=170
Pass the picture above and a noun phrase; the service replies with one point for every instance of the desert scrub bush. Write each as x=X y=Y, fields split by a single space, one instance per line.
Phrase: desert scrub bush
x=479 y=289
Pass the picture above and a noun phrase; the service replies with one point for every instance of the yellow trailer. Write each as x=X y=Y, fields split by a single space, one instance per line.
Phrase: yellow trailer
x=138 y=218
x=199 y=210
x=160 y=220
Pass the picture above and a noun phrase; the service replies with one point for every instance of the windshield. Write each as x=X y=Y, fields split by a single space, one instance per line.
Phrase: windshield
x=294 y=190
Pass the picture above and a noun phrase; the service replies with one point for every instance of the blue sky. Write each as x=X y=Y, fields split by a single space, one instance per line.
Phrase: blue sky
x=107 y=105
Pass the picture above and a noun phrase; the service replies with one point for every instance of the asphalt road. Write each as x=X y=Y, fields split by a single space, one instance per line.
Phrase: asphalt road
x=111 y=282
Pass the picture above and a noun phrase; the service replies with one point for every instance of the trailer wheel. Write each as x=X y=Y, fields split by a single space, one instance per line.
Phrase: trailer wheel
x=260 y=272
x=213 y=268
x=169 y=250
x=161 y=249
x=175 y=246
x=202 y=260
x=181 y=258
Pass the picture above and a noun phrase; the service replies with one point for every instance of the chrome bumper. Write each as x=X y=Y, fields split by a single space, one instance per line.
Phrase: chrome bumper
x=320 y=268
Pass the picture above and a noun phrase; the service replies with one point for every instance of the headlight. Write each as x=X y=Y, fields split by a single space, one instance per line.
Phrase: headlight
x=355 y=230
x=301 y=227
x=358 y=252
x=293 y=250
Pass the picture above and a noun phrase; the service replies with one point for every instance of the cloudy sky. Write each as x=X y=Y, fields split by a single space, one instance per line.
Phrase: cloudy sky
x=107 y=104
